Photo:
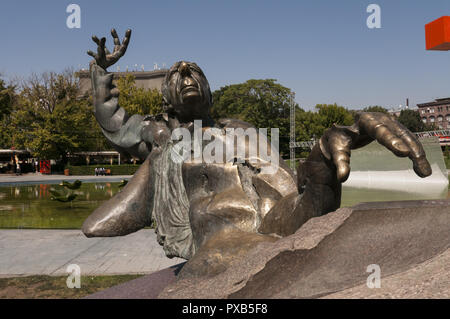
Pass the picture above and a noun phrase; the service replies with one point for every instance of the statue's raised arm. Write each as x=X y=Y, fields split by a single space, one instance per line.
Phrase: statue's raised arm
x=131 y=209
x=124 y=132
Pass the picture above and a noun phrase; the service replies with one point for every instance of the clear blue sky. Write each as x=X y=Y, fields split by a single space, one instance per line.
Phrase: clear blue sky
x=321 y=49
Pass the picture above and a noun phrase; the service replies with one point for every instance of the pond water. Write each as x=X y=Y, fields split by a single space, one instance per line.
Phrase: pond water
x=352 y=196
x=30 y=206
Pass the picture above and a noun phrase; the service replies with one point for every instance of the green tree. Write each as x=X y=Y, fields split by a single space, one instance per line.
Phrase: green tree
x=51 y=119
x=262 y=103
x=138 y=100
x=308 y=125
x=311 y=125
x=330 y=114
x=412 y=121
x=376 y=108
x=7 y=100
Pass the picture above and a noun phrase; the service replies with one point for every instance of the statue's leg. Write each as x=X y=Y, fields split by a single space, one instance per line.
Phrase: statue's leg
x=221 y=250
x=127 y=212
x=320 y=193
x=224 y=229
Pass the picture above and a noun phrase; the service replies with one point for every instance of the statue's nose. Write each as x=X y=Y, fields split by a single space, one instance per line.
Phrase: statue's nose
x=184 y=69
x=188 y=81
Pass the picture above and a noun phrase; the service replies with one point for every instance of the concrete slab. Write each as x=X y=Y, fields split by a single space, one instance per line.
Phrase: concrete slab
x=49 y=252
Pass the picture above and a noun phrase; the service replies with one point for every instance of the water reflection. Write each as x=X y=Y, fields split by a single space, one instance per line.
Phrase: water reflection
x=30 y=206
x=352 y=196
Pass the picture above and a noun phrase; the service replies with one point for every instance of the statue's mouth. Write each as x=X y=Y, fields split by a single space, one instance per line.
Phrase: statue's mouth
x=190 y=91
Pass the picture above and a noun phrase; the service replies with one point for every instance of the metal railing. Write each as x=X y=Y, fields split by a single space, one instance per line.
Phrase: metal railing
x=440 y=133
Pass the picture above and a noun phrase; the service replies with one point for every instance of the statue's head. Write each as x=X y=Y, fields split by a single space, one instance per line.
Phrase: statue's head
x=186 y=91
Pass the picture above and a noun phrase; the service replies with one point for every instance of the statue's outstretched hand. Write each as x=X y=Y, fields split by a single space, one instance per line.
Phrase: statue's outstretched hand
x=339 y=140
x=104 y=58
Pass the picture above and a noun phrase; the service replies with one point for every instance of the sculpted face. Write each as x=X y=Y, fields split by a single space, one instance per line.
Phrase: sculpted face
x=186 y=90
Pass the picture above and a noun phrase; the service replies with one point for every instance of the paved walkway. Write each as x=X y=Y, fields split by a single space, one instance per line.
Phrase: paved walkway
x=37 y=178
x=49 y=252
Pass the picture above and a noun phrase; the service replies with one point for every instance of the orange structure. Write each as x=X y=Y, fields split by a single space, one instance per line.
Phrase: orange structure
x=437 y=34
x=45 y=167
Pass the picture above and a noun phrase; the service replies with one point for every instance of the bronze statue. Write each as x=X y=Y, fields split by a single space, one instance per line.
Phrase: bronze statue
x=213 y=213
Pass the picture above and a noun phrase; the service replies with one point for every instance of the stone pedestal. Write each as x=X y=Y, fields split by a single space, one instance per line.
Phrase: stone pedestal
x=328 y=257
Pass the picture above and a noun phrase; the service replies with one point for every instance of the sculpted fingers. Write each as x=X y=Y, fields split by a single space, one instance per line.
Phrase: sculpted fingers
x=92 y=54
x=127 y=36
x=422 y=167
x=125 y=42
x=397 y=138
x=104 y=58
x=120 y=49
x=385 y=136
x=340 y=150
x=337 y=147
x=417 y=154
x=380 y=128
x=96 y=40
x=116 y=39
x=100 y=56
x=101 y=48
x=410 y=140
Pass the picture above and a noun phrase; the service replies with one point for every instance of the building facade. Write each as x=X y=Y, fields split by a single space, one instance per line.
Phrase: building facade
x=436 y=112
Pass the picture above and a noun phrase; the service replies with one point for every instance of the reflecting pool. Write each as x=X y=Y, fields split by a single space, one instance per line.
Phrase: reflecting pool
x=352 y=196
x=30 y=206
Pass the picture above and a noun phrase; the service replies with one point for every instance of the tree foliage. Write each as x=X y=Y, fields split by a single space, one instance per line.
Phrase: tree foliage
x=330 y=114
x=412 y=121
x=7 y=96
x=138 y=100
x=262 y=103
x=311 y=125
x=376 y=108
x=50 y=118
x=266 y=104
x=7 y=100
